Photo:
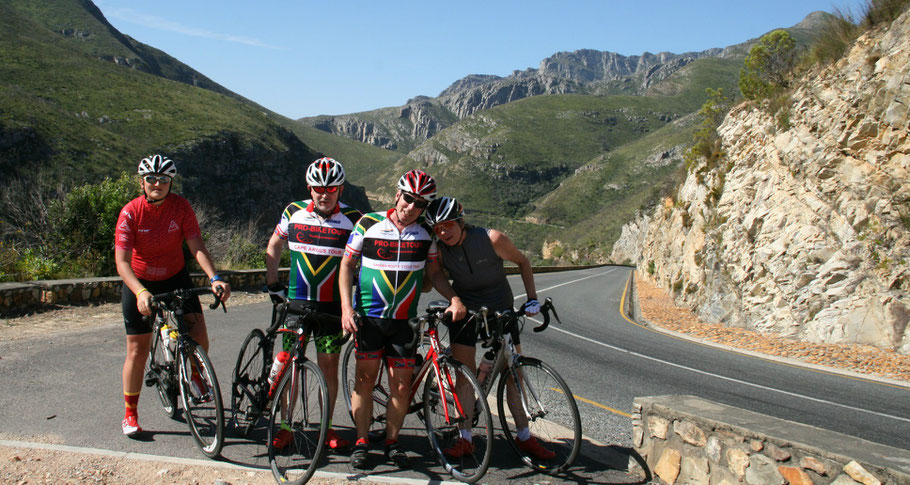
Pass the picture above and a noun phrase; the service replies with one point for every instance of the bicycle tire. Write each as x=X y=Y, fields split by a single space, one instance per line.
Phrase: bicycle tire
x=161 y=372
x=380 y=391
x=202 y=404
x=444 y=433
x=249 y=382
x=308 y=423
x=554 y=417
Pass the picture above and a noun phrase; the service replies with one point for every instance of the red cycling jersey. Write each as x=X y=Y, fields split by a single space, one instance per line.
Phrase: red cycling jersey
x=155 y=235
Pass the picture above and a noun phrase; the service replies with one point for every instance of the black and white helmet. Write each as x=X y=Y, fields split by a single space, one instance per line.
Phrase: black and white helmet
x=418 y=183
x=324 y=172
x=443 y=209
x=157 y=164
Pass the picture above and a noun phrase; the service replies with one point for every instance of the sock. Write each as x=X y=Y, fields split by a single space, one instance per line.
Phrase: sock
x=362 y=442
x=132 y=403
x=466 y=434
x=524 y=434
x=390 y=443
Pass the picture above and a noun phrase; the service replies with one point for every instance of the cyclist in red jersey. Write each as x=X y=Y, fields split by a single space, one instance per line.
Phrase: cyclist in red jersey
x=148 y=250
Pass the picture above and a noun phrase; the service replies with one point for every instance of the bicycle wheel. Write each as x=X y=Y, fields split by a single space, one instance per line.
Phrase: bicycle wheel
x=249 y=383
x=160 y=372
x=446 y=416
x=300 y=407
x=380 y=391
x=201 y=399
x=548 y=406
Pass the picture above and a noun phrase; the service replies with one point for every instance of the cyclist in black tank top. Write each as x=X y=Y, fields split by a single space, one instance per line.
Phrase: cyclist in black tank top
x=474 y=257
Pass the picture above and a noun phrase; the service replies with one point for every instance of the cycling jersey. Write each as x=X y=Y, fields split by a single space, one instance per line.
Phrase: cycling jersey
x=155 y=235
x=391 y=267
x=316 y=247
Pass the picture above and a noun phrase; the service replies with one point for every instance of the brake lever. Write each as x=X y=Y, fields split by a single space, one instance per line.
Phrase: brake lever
x=545 y=311
x=218 y=300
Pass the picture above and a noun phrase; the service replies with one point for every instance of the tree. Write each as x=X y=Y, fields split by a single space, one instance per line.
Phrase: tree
x=707 y=144
x=769 y=65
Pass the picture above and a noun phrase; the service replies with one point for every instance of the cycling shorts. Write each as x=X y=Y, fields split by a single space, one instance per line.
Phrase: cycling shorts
x=393 y=338
x=464 y=332
x=327 y=332
x=135 y=322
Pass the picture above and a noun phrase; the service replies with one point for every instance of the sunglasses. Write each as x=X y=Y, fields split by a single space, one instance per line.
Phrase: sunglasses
x=321 y=190
x=409 y=199
x=152 y=180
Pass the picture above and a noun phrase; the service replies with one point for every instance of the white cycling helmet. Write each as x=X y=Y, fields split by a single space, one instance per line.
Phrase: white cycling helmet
x=157 y=164
x=443 y=209
x=325 y=172
x=418 y=183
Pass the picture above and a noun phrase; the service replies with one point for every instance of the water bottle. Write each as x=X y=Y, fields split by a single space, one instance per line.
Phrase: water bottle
x=166 y=343
x=277 y=365
x=486 y=364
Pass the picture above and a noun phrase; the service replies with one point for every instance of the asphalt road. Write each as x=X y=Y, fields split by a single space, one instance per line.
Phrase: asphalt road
x=65 y=388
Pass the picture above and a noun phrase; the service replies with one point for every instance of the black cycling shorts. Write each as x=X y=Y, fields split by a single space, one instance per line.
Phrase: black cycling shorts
x=382 y=336
x=326 y=325
x=465 y=333
x=135 y=322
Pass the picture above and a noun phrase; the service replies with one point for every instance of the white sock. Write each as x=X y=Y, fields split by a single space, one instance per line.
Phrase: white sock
x=524 y=434
x=466 y=434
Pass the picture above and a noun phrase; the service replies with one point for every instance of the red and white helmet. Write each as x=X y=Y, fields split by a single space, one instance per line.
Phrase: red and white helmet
x=325 y=172
x=418 y=183
x=157 y=164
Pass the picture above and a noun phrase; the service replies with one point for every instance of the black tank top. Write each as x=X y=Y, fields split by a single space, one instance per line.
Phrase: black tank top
x=478 y=276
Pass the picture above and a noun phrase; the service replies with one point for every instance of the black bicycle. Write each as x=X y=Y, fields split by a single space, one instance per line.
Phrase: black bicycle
x=178 y=365
x=296 y=400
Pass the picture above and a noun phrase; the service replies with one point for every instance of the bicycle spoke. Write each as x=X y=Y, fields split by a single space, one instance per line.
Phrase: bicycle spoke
x=453 y=406
x=202 y=400
x=298 y=423
x=544 y=404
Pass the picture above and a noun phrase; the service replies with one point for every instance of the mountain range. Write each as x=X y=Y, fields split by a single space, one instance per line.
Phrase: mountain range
x=559 y=157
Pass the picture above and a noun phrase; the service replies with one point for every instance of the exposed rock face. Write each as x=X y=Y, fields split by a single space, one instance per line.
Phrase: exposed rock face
x=803 y=231
x=584 y=71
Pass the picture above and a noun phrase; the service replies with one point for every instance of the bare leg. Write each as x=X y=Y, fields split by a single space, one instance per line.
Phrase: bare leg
x=466 y=354
x=137 y=351
x=400 y=384
x=362 y=397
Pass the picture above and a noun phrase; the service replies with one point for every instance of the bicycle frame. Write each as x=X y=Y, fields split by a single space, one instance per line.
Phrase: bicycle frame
x=443 y=382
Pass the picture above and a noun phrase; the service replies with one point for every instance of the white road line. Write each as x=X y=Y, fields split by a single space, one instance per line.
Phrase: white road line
x=718 y=376
x=710 y=374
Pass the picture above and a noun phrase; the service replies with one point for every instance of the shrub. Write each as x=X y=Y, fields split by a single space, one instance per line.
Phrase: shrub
x=838 y=33
x=83 y=224
x=769 y=65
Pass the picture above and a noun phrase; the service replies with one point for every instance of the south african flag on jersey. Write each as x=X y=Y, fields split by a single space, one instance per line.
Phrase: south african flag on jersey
x=392 y=264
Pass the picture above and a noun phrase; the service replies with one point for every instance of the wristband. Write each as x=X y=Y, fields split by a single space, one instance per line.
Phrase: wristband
x=140 y=292
x=217 y=277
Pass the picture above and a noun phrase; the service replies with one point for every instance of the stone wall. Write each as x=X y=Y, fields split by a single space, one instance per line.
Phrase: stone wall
x=37 y=295
x=689 y=440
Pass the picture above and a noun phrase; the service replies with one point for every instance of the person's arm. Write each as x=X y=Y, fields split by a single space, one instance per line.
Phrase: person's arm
x=199 y=251
x=441 y=283
x=273 y=258
x=122 y=260
x=506 y=250
x=345 y=289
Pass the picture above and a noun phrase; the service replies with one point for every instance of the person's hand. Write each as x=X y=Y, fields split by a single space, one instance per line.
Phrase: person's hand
x=457 y=309
x=144 y=302
x=278 y=293
x=349 y=322
x=222 y=289
x=531 y=307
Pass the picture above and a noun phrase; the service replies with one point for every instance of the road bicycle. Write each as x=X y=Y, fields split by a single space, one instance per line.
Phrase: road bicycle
x=542 y=398
x=444 y=413
x=302 y=407
x=178 y=365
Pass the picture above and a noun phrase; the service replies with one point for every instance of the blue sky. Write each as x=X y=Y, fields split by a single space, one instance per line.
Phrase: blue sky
x=304 y=58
